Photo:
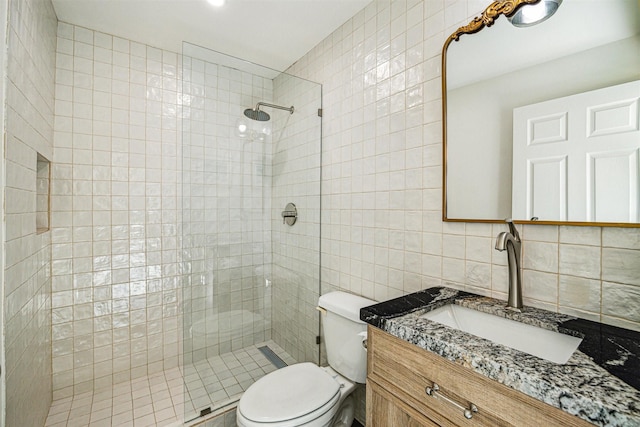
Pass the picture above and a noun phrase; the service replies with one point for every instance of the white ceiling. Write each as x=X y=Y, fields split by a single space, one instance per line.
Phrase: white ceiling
x=273 y=33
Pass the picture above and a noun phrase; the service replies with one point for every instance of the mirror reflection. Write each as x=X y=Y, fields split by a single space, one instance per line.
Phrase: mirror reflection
x=542 y=122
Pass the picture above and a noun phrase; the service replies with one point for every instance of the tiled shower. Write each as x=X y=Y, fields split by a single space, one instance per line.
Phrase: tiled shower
x=156 y=278
x=165 y=258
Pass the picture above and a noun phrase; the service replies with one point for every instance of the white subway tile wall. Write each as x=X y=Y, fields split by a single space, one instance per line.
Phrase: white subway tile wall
x=27 y=286
x=115 y=287
x=382 y=234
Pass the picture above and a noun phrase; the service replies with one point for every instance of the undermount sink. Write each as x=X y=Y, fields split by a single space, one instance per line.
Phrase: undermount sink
x=549 y=345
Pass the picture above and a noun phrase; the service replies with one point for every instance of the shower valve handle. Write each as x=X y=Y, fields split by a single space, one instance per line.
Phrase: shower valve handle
x=289 y=214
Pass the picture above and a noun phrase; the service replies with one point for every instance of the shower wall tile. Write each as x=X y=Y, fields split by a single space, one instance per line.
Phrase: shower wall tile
x=115 y=283
x=29 y=122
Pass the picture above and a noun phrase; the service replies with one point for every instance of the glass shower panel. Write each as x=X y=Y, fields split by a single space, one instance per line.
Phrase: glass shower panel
x=235 y=172
x=296 y=143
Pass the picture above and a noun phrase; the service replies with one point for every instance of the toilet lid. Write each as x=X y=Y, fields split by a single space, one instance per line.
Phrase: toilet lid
x=288 y=393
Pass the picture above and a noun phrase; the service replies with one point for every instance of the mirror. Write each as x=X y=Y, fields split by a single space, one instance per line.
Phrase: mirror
x=523 y=108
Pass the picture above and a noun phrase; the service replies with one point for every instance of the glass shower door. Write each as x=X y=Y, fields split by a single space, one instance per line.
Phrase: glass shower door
x=229 y=183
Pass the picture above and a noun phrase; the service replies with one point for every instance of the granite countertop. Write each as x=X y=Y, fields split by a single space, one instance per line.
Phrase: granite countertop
x=599 y=383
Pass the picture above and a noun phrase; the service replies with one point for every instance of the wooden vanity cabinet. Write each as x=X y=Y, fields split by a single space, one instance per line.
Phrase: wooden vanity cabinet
x=384 y=409
x=399 y=374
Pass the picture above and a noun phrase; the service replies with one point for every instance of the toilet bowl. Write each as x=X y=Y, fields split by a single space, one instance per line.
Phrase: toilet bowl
x=305 y=394
x=298 y=395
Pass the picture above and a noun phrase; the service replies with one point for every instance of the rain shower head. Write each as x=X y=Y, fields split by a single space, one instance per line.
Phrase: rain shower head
x=256 y=114
x=261 y=116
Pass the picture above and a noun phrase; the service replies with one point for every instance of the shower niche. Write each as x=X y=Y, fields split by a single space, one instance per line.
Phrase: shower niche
x=250 y=144
x=43 y=194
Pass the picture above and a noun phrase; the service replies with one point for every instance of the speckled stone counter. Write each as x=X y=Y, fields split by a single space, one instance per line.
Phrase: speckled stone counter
x=600 y=383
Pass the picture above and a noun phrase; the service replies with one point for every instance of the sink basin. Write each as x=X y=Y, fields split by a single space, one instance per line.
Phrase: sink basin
x=549 y=345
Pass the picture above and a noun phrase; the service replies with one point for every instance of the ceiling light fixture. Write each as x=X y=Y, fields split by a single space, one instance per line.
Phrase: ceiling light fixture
x=532 y=14
x=216 y=3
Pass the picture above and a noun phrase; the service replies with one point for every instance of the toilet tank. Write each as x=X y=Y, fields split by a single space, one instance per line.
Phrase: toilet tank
x=344 y=333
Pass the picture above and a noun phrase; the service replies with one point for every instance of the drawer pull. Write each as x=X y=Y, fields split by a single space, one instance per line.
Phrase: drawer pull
x=434 y=391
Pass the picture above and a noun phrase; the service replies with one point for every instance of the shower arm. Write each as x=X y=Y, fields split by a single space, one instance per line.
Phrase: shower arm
x=289 y=109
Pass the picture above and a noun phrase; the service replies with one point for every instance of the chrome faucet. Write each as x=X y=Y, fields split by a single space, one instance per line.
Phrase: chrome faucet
x=510 y=241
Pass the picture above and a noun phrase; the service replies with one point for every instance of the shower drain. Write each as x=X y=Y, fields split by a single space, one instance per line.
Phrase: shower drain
x=272 y=357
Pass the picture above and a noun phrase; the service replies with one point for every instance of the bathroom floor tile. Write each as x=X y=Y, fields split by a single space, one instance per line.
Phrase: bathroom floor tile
x=168 y=398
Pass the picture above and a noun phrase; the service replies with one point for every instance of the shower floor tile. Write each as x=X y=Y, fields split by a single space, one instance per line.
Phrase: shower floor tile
x=173 y=397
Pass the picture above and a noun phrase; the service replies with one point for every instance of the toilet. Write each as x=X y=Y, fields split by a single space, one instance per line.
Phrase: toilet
x=305 y=394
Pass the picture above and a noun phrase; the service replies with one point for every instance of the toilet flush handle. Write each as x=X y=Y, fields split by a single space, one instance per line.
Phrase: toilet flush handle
x=363 y=334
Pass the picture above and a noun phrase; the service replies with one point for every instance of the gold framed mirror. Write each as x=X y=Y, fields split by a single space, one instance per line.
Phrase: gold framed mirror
x=505 y=95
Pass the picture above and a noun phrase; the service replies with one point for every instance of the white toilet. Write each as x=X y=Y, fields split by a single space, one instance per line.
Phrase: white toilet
x=305 y=394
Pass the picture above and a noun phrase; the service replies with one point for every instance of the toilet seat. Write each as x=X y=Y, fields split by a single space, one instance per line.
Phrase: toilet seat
x=294 y=395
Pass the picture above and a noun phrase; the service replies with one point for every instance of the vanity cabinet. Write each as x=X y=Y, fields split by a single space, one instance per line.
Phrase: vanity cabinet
x=387 y=410
x=409 y=386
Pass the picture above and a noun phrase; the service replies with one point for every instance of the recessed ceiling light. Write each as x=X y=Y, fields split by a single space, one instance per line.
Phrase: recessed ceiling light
x=216 y=3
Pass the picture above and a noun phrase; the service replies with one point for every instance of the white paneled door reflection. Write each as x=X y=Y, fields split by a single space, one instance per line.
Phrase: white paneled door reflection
x=577 y=158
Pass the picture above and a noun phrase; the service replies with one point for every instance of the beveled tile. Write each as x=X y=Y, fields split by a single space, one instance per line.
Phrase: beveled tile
x=581 y=235
x=621 y=265
x=580 y=293
x=540 y=286
x=582 y=261
x=622 y=301
x=627 y=238
x=540 y=256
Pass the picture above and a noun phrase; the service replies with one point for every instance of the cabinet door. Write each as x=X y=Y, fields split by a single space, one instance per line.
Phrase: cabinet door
x=386 y=410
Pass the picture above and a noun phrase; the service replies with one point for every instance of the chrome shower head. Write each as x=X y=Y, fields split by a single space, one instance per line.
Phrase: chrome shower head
x=256 y=114
x=261 y=116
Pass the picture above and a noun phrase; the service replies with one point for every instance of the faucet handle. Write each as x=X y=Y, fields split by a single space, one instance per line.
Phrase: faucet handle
x=512 y=228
